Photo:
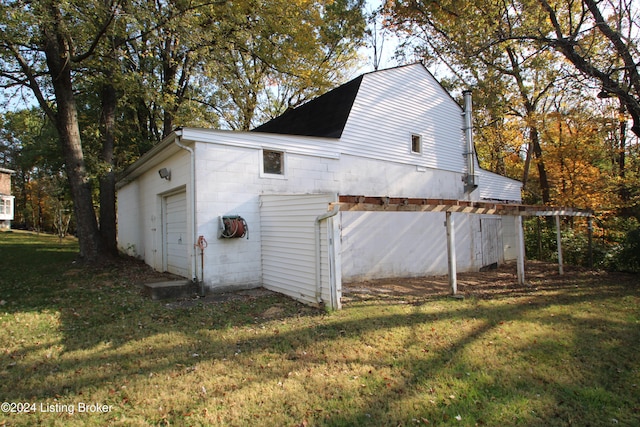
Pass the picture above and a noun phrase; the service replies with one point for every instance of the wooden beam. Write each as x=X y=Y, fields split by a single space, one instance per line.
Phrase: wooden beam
x=405 y=204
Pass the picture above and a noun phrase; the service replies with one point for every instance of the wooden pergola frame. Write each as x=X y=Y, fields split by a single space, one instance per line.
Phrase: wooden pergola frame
x=347 y=203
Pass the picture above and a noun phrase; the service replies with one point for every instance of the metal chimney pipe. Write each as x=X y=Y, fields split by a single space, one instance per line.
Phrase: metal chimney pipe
x=469 y=147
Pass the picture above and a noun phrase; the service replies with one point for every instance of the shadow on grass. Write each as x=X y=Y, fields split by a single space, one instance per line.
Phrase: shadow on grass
x=109 y=335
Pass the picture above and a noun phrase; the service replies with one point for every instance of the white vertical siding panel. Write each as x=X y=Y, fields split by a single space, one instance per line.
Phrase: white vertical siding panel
x=288 y=236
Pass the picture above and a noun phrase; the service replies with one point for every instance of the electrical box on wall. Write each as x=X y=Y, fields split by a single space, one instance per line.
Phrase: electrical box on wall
x=232 y=227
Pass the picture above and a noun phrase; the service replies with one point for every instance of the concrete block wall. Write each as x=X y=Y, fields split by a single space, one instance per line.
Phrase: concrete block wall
x=229 y=182
x=140 y=202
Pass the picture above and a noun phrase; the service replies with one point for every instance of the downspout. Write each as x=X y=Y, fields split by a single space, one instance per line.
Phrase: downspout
x=194 y=231
x=470 y=183
x=319 y=219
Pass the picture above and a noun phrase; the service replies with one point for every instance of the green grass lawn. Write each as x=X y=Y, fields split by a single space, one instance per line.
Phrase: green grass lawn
x=84 y=347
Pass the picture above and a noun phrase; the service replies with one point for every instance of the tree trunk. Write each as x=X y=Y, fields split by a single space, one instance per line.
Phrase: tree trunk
x=66 y=121
x=108 y=179
x=542 y=171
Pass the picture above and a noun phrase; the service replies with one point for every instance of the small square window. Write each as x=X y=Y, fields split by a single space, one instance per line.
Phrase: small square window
x=273 y=162
x=416 y=144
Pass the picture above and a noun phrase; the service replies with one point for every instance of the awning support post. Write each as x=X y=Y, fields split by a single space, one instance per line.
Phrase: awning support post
x=590 y=234
x=559 y=243
x=520 y=249
x=451 y=253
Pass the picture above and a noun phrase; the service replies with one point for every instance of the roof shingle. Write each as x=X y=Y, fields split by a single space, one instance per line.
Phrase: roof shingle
x=324 y=116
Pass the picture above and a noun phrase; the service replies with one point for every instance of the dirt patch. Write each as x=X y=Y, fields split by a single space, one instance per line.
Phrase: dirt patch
x=273 y=312
x=219 y=298
x=495 y=283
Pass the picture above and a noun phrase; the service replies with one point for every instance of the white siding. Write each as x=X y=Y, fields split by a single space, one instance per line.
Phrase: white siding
x=394 y=104
x=497 y=187
x=288 y=224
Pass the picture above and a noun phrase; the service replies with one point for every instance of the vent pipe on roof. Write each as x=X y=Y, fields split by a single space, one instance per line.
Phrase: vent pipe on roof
x=470 y=180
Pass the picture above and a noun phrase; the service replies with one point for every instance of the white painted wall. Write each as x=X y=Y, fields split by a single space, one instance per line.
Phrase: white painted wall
x=403 y=244
x=229 y=183
x=372 y=158
x=139 y=209
x=371 y=177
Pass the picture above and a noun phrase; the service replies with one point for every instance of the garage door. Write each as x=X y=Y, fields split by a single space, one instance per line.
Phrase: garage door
x=175 y=234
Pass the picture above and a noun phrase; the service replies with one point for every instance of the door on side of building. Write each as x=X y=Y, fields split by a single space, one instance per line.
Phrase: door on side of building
x=175 y=251
x=491 y=242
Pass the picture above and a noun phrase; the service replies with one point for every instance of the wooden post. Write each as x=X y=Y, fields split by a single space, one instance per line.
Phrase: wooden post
x=590 y=234
x=520 y=249
x=559 y=243
x=451 y=253
x=539 y=236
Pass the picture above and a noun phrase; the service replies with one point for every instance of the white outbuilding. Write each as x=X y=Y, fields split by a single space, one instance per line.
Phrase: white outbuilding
x=366 y=181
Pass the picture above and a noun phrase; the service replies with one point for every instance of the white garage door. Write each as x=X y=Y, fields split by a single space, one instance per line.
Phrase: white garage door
x=175 y=234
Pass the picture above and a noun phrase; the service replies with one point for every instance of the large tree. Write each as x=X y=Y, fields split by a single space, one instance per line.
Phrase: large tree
x=43 y=45
x=512 y=79
x=148 y=66
x=516 y=52
x=600 y=39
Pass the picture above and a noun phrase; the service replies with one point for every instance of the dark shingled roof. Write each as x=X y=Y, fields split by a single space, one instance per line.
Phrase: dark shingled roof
x=324 y=116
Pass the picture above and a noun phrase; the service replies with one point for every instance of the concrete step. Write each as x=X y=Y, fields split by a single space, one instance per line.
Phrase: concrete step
x=170 y=289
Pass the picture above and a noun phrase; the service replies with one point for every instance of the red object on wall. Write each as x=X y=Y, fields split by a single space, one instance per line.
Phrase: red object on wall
x=234 y=227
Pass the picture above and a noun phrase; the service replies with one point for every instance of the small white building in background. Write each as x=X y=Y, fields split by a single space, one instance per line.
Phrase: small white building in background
x=394 y=133
x=6 y=199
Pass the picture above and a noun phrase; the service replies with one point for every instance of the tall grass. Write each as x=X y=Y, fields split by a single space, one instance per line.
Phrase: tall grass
x=559 y=353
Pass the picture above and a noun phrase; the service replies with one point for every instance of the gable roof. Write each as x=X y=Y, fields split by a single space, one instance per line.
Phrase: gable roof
x=324 y=116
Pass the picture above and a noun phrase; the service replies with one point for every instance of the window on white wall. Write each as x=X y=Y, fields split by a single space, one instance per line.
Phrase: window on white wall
x=273 y=162
x=416 y=144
